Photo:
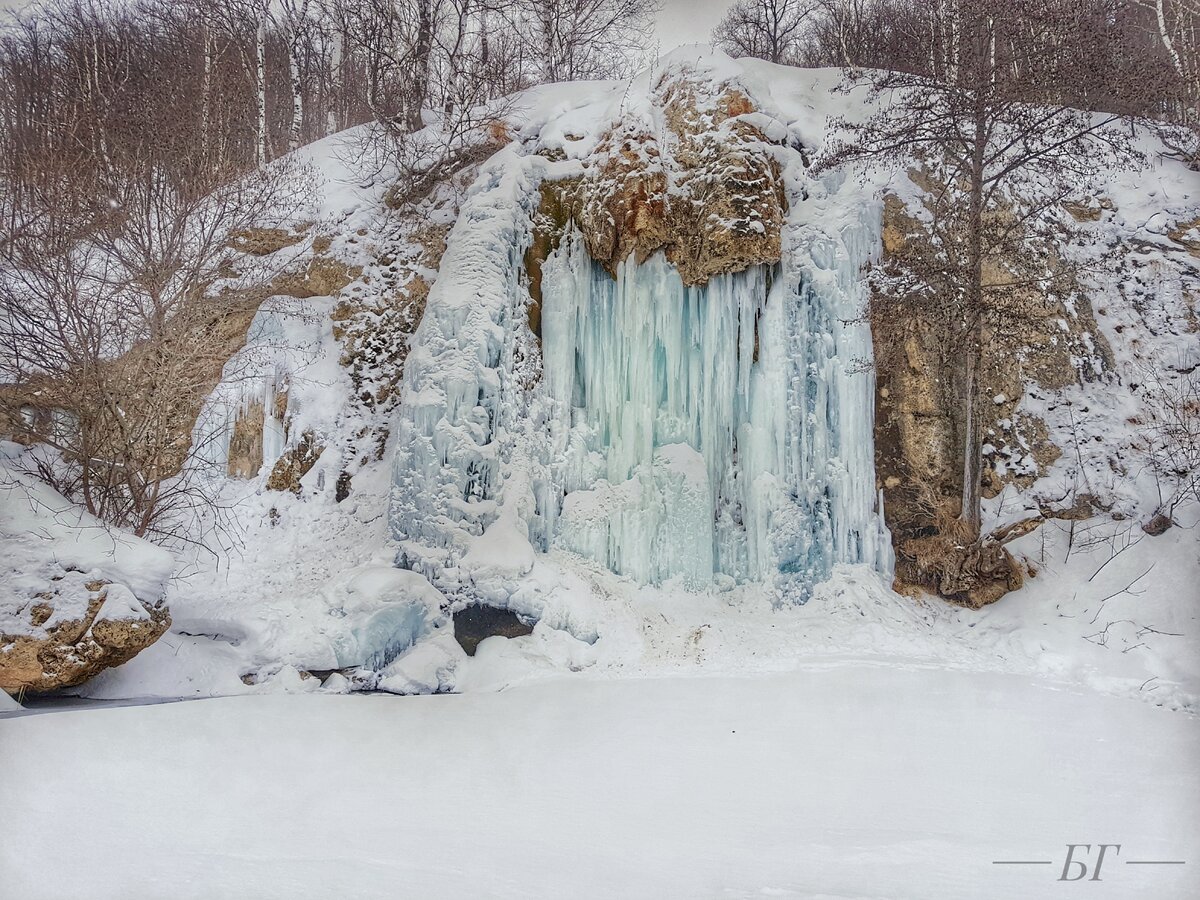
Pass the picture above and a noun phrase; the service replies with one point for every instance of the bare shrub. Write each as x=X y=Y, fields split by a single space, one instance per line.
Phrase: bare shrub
x=110 y=341
x=1171 y=437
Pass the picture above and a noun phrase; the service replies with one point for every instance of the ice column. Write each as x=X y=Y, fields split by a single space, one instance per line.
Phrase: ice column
x=724 y=428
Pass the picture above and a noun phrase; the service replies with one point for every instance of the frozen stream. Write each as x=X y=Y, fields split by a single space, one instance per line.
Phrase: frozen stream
x=812 y=784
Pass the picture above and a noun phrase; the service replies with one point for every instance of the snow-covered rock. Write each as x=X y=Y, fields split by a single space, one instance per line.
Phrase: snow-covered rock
x=76 y=597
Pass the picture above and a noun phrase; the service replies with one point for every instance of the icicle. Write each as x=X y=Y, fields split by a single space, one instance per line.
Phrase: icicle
x=701 y=430
x=251 y=386
x=665 y=431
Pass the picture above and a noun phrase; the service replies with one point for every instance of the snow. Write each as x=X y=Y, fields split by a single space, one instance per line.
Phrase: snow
x=818 y=783
x=392 y=610
x=475 y=467
x=48 y=543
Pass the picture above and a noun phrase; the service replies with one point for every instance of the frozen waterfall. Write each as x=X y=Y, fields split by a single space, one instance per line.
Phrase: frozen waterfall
x=704 y=430
x=713 y=433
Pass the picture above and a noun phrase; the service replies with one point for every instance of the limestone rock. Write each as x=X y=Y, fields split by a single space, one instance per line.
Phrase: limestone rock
x=918 y=412
x=59 y=652
x=295 y=463
x=702 y=187
x=264 y=241
x=246 y=442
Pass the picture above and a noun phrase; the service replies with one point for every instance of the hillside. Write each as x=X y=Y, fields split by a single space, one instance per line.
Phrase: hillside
x=307 y=583
x=605 y=429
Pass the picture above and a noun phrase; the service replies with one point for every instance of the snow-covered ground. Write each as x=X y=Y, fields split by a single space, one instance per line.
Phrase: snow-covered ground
x=841 y=780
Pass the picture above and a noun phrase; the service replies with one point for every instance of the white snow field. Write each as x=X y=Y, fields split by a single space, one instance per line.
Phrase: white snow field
x=850 y=780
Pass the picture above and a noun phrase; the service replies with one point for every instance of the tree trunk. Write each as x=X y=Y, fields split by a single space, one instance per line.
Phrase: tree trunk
x=206 y=97
x=550 y=41
x=421 y=52
x=297 y=93
x=970 y=514
x=260 y=90
x=455 y=63
x=1165 y=36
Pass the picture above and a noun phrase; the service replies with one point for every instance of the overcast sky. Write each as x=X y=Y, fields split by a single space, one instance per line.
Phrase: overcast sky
x=688 y=21
x=680 y=22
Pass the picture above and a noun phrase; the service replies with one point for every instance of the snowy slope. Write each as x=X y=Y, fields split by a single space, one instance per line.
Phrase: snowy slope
x=282 y=602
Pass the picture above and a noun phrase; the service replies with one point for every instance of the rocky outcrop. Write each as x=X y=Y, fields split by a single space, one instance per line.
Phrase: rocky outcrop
x=246 y=457
x=76 y=597
x=294 y=464
x=703 y=188
x=1030 y=337
x=323 y=276
x=66 y=644
x=161 y=385
x=246 y=442
x=265 y=241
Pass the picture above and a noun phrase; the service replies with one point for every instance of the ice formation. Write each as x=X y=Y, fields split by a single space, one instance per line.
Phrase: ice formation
x=705 y=434
x=703 y=430
x=386 y=611
x=250 y=386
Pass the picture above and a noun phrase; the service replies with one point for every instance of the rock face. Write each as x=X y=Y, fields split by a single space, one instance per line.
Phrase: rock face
x=294 y=464
x=704 y=189
x=1030 y=337
x=64 y=652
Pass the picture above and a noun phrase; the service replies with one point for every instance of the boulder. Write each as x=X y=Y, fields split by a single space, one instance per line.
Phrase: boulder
x=76 y=597
x=64 y=649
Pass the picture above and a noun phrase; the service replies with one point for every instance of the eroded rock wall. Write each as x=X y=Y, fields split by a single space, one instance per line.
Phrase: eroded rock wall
x=702 y=187
x=1032 y=336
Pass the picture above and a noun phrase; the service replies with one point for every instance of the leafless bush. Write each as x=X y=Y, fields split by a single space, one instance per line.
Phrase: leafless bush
x=111 y=340
x=1142 y=54
x=774 y=30
x=1172 y=436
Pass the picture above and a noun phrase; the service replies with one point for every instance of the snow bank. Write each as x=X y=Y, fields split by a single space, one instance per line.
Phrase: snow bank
x=44 y=538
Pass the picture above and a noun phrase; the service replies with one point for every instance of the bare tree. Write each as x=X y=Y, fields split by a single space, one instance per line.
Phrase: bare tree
x=117 y=220
x=773 y=30
x=995 y=134
x=588 y=38
x=1172 y=437
x=1128 y=72
x=1176 y=25
x=110 y=342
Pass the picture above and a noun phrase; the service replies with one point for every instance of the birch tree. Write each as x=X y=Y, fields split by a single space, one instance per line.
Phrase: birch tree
x=1177 y=29
x=294 y=16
